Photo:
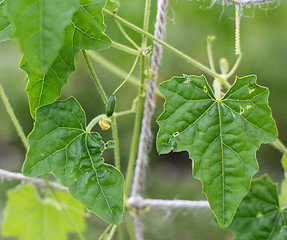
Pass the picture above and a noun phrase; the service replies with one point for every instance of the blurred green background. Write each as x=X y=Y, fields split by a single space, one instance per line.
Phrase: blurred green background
x=263 y=42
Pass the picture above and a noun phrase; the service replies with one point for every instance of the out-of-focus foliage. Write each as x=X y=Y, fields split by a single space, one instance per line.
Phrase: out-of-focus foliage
x=30 y=216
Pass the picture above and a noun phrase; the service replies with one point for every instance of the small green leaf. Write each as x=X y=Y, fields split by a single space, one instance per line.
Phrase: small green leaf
x=39 y=28
x=221 y=136
x=30 y=217
x=6 y=27
x=86 y=31
x=259 y=215
x=112 y=5
x=60 y=144
x=110 y=144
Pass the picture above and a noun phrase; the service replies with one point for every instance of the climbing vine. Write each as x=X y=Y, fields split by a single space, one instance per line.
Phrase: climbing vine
x=221 y=126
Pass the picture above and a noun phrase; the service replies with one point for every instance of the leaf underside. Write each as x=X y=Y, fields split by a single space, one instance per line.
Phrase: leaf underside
x=59 y=144
x=221 y=136
x=30 y=217
x=85 y=31
x=259 y=215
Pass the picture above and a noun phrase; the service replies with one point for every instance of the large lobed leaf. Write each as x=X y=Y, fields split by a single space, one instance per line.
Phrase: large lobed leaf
x=60 y=144
x=259 y=215
x=85 y=31
x=221 y=136
x=31 y=217
x=39 y=28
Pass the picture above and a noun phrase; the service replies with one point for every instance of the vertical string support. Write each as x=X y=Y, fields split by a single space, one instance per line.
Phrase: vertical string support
x=142 y=159
x=237 y=30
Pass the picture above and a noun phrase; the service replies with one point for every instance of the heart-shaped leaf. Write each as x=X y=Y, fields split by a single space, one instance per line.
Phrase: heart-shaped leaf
x=59 y=144
x=221 y=136
x=259 y=215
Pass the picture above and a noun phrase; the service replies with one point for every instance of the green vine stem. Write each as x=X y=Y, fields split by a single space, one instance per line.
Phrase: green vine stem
x=124 y=48
x=115 y=69
x=280 y=146
x=126 y=35
x=134 y=144
x=129 y=74
x=103 y=235
x=139 y=110
x=130 y=226
x=112 y=232
x=13 y=117
x=171 y=48
x=112 y=67
x=95 y=77
x=94 y=122
x=67 y=215
x=210 y=39
x=105 y=99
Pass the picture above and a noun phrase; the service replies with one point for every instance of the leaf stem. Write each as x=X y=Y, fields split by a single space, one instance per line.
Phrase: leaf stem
x=113 y=68
x=80 y=235
x=112 y=232
x=103 y=235
x=118 y=114
x=279 y=146
x=105 y=99
x=126 y=35
x=129 y=74
x=232 y=71
x=124 y=48
x=210 y=39
x=164 y=44
x=146 y=23
x=130 y=226
x=94 y=75
x=94 y=122
x=134 y=143
x=13 y=117
x=116 y=140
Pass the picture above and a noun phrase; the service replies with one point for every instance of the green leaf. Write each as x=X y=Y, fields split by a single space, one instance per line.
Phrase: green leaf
x=45 y=89
x=6 y=27
x=259 y=215
x=112 y=5
x=39 y=28
x=86 y=31
x=31 y=217
x=221 y=136
x=60 y=144
x=283 y=194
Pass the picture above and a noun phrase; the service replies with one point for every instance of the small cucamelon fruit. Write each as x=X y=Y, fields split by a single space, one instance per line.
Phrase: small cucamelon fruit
x=111 y=106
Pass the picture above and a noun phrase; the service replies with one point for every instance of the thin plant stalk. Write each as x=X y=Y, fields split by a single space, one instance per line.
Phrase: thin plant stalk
x=112 y=232
x=137 y=124
x=13 y=117
x=124 y=48
x=129 y=74
x=164 y=44
x=126 y=35
x=105 y=99
x=103 y=235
